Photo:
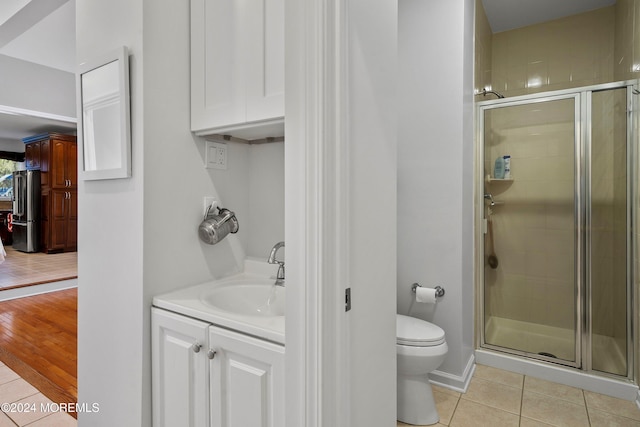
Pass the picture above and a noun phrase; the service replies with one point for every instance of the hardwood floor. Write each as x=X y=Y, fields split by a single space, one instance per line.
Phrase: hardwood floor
x=38 y=340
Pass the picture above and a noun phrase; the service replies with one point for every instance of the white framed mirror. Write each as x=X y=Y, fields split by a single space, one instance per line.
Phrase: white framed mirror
x=104 y=125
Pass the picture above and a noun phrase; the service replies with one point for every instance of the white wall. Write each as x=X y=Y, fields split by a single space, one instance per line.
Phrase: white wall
x=37 y=88
x=266 y=199
x=110 y=242
x=110 y=270
x=138 y=237
x=373 y=136
x=435 y=170
x=16 y=146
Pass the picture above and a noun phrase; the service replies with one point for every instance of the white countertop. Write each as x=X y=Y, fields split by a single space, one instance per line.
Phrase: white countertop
x=187 y=301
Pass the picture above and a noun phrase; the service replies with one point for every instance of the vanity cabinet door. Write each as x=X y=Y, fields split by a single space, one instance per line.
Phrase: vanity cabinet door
x=246 y=380
x=237 y=67
x=180 y=370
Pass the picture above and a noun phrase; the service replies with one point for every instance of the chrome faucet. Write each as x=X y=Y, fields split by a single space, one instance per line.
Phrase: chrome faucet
x=272 y=260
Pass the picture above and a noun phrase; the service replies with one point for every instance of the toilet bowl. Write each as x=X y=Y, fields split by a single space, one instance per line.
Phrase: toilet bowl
x=421 y=348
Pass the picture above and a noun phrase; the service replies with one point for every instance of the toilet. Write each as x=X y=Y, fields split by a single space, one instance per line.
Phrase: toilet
x=421 y=348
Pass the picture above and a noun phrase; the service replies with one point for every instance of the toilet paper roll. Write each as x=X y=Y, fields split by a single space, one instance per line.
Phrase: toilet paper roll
x=426 y=295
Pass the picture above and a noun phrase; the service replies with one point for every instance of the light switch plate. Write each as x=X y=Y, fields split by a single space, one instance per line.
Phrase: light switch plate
x=216 y=155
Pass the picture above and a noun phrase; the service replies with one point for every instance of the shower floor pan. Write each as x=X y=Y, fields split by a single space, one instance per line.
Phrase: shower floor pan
x=541 y=339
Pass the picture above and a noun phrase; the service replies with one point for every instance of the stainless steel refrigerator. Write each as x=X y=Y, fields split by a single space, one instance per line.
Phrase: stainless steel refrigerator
x=26 y=210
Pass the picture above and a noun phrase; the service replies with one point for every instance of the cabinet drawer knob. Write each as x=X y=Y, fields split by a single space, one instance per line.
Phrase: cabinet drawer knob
x=211 y=354
x=196 y=348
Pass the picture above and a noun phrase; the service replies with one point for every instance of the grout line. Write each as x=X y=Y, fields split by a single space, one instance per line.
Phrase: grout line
x=455 y=408
x=586 y=407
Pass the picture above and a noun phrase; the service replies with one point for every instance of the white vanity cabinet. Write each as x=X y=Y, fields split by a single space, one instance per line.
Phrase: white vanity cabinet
x=237 y=68
x=208 y=376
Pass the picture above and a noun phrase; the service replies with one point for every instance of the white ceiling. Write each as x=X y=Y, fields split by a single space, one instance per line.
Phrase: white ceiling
x=506 y=15
x=42 y=32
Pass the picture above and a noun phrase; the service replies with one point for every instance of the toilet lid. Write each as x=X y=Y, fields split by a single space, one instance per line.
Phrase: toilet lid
x=417 y=332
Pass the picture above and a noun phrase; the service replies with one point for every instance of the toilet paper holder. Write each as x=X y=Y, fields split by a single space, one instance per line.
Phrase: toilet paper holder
x=439 y=289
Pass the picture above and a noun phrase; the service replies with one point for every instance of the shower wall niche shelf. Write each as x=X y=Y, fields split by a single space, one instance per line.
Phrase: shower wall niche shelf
x=489 y=179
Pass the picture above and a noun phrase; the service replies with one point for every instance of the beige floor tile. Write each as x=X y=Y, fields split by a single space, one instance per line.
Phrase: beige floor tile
x=16 y=390
x=604 y=419
x=59 y=419
x=7 y=375
x=471 y=414
x=559 y=391
x=446 y=404
x=553 y=411
x=528 y=422
x=511 y=379
x=445 y=390
x=612 y=405
x=494 y=394
x=6 y=421
x=28 y=410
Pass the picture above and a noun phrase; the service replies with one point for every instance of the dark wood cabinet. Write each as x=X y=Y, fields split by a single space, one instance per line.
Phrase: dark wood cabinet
x=58 y=165
x=32 y=155
x=62 y=223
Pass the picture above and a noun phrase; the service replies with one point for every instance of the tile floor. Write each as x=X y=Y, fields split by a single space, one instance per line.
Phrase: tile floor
x=498 y=398
x=21 y=404
x=21 y=269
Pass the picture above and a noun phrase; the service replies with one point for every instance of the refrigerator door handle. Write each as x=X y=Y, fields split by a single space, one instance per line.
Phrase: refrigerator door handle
x=18 y=196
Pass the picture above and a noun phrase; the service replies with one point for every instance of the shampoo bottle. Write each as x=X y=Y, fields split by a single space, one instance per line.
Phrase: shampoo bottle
x=507 y=167
x=498 y=170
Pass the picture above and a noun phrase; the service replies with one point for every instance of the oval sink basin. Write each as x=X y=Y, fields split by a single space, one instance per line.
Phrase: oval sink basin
x=247 y=299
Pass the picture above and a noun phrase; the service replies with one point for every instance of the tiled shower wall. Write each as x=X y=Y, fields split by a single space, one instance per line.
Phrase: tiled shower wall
x=590 y=48
x=627 y=40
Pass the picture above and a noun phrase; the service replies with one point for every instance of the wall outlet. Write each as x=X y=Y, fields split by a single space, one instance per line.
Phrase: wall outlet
x=216 y=155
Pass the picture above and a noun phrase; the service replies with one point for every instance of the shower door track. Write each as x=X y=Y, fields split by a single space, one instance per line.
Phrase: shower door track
x=583 y=297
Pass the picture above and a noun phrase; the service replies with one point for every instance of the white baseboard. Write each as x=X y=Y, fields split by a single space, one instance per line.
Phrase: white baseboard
x=27 y=291
x=459 y=383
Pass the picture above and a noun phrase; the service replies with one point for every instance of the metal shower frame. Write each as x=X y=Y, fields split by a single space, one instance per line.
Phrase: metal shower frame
x=582 y=103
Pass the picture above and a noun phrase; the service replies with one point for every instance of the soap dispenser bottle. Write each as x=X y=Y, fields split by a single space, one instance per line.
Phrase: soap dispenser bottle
x=498 y=170
x=507 y=167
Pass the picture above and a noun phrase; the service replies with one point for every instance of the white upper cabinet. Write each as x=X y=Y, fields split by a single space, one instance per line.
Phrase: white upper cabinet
x=237 y=68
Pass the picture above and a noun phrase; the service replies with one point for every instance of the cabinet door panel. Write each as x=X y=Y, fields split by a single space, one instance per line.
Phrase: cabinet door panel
x=72 y=221
x=58 y=160
x=180 y=387
x=58 y=220
x=44 y=163
x=71 y=164
x=247 y=381
x=32 y=155
x=217 y=71
x=265 y=63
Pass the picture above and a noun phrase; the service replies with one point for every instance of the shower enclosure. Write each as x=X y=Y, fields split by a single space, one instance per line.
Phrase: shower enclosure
x=559 y=248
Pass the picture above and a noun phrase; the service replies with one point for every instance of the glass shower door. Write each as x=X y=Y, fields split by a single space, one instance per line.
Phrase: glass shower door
x=531 y=221
x=608 y=242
